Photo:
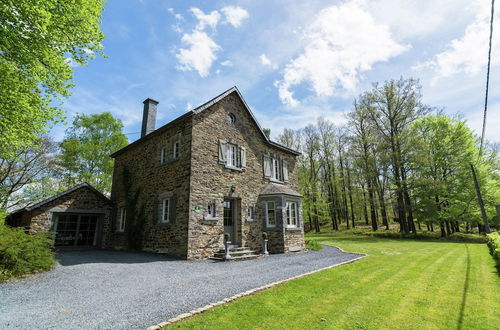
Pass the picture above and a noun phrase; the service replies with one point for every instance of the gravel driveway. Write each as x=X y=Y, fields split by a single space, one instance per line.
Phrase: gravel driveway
x=120 y=290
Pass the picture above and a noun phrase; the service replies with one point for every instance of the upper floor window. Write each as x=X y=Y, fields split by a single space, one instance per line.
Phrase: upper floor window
x=177 y=149
x=232 y=155
x=231 y=118
x=122 y=217
x=163 y=155
x=275 y=169
x=291 y=214
x=270 y=214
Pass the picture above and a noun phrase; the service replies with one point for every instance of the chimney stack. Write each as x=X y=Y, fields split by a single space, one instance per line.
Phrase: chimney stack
x=149 y=116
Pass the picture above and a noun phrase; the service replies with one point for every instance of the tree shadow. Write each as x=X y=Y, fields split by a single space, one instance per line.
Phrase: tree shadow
x=465 y=291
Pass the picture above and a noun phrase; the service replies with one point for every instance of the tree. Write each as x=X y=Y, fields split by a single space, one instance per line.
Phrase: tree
x=86 y=149
x=39 y=43
x=27 y=167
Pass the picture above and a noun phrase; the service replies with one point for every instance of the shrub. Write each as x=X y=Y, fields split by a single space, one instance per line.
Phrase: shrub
x=312 y=244
x=22 y=253
x=494 y=245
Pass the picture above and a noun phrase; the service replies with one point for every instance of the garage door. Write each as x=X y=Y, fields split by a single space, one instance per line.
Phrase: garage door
x=76 y=229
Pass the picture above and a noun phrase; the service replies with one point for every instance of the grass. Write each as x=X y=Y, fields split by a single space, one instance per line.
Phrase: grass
x=403 y=284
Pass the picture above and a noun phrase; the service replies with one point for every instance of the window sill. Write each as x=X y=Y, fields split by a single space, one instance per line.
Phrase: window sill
x=167 y=162
x=163 y=224
x=234 y=168
x=293 y=228
x=277 y=181
x=210 y=218
x=250 y=220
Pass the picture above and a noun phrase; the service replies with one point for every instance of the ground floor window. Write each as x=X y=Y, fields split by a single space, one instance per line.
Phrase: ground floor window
x=165 y=212
x=291 y=214
x=270 y=214
x=251 y=213
x=122 y=217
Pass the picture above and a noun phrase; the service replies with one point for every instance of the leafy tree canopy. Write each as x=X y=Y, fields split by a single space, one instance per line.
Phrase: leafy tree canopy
x=39 y=43
x=86 y=148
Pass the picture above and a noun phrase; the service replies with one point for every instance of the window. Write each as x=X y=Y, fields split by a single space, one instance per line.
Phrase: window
x=251 y=213
x=232 y=156
x=122 y=216
x=270 y=214
x=163 y=155
x=177 y=149
x=210 y=211
x=231 y=118
x=165 y=212
x=291 y=214
x=275 y=169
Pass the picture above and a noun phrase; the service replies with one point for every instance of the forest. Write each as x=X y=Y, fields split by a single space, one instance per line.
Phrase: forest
x=397 y=161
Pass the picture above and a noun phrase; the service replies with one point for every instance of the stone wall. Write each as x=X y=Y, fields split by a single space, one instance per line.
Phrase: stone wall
x=155 y=179
x=212 y=181
x=81 y=200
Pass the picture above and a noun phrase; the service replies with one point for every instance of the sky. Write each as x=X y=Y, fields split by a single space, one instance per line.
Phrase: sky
x=293 y=61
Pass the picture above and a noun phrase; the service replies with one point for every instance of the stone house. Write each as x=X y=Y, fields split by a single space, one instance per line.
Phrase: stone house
x=210 y=172
x=182 y=187
x=80 y=216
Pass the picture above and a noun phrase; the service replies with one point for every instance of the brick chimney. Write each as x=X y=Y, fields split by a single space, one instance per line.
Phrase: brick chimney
x=149 y=116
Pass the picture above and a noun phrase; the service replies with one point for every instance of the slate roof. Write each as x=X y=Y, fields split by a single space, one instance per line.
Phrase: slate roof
x=203 y=107
x=50 y=199
x=278 y=189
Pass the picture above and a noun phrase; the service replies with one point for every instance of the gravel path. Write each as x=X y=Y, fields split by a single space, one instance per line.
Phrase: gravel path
x=122 y=290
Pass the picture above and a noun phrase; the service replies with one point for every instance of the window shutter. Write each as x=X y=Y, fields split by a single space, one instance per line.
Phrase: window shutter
x=267 y=166
x=222 y=152
x=172 y=210
x=243 y=151
x=285 y=171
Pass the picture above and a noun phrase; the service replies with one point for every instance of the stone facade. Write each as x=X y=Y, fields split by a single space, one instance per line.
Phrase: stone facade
x=82 y=199
x=198 y=179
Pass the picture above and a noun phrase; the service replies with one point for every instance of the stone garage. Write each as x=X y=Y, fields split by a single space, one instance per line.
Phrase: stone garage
x=79 y=217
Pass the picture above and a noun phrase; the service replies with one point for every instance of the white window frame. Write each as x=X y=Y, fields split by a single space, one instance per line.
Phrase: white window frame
x=233 y=156
x=165 y=210
x=211 y=211
x=163 y=155
x=269 y=225
x=292 y=222
x=251 y=213
x=177 y=149
x=122 y=217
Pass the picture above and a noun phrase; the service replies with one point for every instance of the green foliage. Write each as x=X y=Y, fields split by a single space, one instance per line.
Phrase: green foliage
x=22 y=253
x=135 y=211
x=39 y=43
x=455 y=237
x=312 y=244
x=494 y=245
x=86 y=149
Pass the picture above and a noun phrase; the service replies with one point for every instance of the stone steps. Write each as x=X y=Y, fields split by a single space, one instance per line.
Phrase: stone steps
x=236 y=253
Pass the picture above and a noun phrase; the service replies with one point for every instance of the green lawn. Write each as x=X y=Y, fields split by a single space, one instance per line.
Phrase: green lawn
x=403 y=284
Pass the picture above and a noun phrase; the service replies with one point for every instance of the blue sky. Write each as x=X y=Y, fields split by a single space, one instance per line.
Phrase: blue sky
x=293 y=61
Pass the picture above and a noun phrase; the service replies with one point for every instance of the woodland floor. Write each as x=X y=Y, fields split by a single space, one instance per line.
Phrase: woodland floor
x=402 y=284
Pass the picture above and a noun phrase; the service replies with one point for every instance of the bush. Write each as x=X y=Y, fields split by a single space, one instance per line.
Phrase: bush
x=493 y=241
x=312 y=244
x=22 y=253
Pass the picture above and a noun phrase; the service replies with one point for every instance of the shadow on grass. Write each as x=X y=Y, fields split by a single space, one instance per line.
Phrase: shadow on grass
x=465 y=291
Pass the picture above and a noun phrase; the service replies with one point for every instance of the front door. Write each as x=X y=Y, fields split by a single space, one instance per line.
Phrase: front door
x=229 y=223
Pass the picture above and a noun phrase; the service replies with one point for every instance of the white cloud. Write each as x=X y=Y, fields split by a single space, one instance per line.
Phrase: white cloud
x=234 y=15
x=342 y=42
x=265 y=60
x=200 y=55
x=189 y=106
x=204 y=20
x=226 y=63
x=467 y=54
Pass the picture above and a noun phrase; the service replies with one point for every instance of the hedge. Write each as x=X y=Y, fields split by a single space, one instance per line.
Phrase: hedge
x=22 y=253
x=494 y=245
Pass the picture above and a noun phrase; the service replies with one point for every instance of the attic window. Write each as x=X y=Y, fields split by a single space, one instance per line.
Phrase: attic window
x=231 y=118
